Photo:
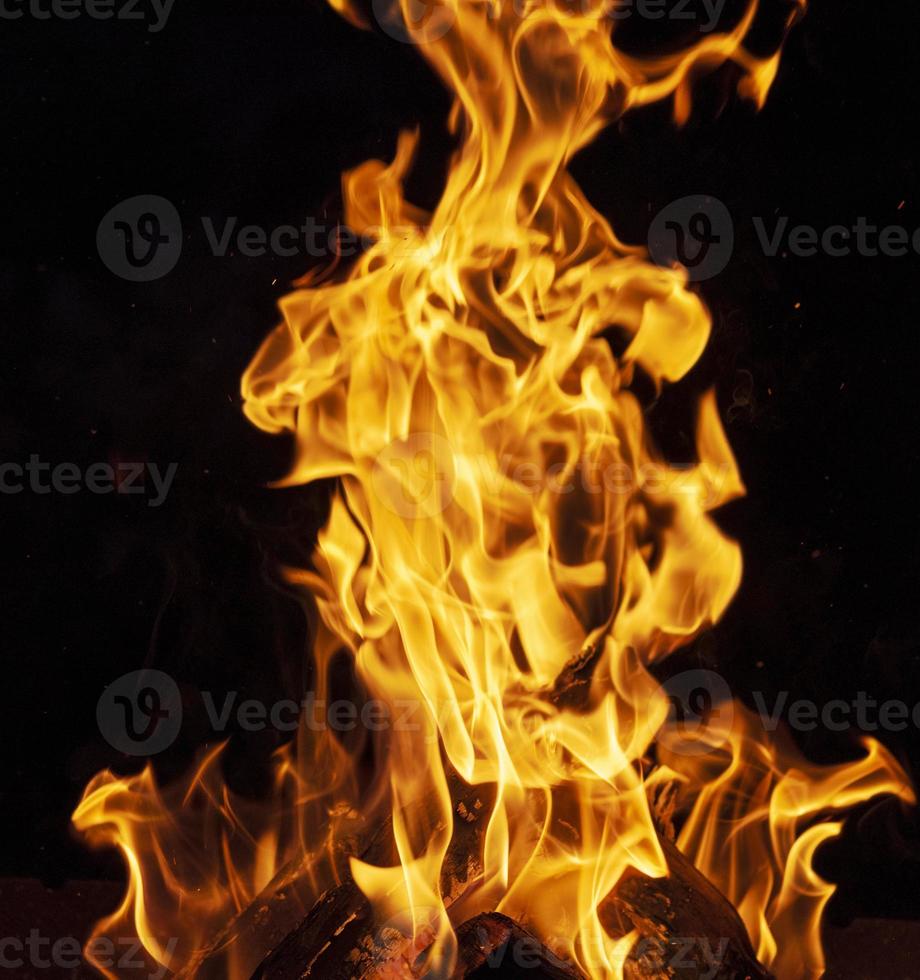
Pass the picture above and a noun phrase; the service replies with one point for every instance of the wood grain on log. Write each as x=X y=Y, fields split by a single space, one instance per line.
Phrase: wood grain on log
x=687 y=928
x=492 y=942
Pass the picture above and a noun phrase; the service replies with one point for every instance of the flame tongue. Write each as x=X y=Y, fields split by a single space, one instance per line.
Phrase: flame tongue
x=500 y=509
x=457 y=384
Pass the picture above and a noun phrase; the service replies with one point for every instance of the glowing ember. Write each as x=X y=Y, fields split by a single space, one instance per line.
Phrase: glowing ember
x=500 y=510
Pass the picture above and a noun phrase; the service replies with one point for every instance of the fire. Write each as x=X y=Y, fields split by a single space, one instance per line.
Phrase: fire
x=501 y=515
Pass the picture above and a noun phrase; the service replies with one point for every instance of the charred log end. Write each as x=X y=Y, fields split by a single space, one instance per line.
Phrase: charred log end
x=493 y=945
x=686 y=928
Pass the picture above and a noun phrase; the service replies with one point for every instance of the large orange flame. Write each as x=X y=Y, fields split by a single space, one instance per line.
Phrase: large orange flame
x=501 y=512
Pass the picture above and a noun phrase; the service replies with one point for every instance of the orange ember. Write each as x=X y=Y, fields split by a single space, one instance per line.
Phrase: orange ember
x=500 y=509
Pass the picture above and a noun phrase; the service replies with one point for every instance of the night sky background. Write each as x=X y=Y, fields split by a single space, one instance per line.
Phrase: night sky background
x=254 y=110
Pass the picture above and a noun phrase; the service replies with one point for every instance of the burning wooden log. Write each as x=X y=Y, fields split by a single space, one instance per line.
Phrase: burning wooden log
x=684 y=927
x=493 y=942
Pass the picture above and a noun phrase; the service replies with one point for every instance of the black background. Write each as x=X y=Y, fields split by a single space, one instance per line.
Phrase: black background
x=254 y=110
